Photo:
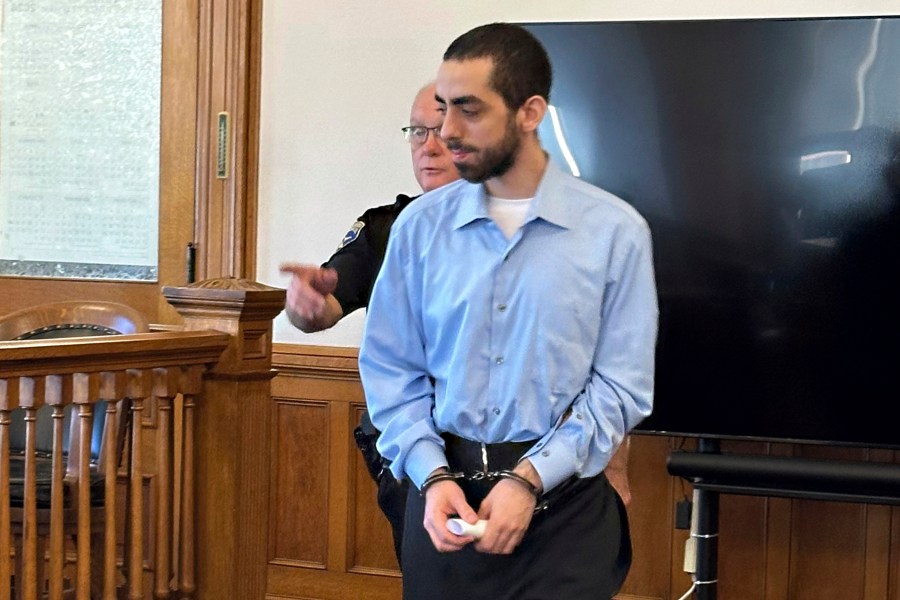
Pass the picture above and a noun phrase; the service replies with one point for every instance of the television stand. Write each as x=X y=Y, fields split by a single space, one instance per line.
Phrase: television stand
x=713 y=473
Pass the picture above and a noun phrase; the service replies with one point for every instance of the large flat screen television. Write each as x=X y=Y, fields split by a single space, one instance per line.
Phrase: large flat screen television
x=765 y=155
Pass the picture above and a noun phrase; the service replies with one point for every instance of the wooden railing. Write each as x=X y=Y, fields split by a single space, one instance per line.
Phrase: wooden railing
x=141 y=368
x=182 y=387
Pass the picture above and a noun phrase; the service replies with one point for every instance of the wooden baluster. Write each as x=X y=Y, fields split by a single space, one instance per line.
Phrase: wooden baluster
x=136 y=391
x=165 y=386
x=191 y=384
x=55 y=395
x=29 y=534
x=85 y=391
x=7 y=403
x=112 y=390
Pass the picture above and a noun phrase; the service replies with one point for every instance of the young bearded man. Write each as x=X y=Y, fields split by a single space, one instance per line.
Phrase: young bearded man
x=509 y=348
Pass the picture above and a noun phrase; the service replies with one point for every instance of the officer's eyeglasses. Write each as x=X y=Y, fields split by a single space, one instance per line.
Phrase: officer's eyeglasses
x=418 y=134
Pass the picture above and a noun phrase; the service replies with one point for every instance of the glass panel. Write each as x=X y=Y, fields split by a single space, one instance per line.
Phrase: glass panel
x=79 y=138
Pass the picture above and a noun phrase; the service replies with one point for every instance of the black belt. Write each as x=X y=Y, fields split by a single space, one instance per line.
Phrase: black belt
x=477 y=462
x=470 y=457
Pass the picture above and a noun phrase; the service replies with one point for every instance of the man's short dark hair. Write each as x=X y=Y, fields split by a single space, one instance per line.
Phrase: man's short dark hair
x=521 y=66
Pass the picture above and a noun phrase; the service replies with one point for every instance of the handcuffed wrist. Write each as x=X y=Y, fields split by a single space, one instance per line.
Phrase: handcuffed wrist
x=523 y=481
x=441 y=474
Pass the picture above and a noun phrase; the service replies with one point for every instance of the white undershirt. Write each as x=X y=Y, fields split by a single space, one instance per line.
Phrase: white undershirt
x=508 y=214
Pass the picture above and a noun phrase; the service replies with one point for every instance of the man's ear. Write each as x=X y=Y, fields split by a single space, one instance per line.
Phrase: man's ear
x=531 y=113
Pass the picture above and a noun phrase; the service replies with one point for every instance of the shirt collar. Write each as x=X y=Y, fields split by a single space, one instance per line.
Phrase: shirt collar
x=472 y=205
x=549 y=204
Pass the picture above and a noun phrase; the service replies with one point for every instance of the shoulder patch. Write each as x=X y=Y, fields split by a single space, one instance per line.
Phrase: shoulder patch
x=351 y=235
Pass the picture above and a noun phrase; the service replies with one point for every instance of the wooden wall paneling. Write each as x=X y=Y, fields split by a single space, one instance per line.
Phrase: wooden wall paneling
x=679 y=581
x=368 y=553
x=337 y=516
x=769 y=548
x=297 y=531
x=301 y=387
x=358 y=552
x=742 y=538
x=777 y=549
x=832 y=538
x=828 y=550
x=742 y=559
x=878 y=542
x=878 y=546
x=784 y=549
x=651 y=519
x=894 y=552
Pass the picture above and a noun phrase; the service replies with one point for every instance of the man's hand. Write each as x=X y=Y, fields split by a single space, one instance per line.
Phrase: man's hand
x=617 y=471
x=444 y=500
x=310 y=304
x=508 y=509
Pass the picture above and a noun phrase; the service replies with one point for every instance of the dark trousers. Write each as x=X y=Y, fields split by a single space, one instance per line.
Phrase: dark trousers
x=578 y=548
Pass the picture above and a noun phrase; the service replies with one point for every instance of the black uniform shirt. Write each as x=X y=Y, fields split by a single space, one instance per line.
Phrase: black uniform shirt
x=360 y=254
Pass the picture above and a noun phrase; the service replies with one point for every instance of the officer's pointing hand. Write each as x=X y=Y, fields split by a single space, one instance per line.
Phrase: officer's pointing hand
x=309 y=287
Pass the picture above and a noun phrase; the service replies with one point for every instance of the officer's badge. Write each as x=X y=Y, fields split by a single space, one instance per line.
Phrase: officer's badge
x=351 y=235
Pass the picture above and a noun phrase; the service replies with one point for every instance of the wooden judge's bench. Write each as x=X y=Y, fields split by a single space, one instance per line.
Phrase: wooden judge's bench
x=236 y=476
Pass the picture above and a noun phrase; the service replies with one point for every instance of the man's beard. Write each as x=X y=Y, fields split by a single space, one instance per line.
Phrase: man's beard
x=496 y=161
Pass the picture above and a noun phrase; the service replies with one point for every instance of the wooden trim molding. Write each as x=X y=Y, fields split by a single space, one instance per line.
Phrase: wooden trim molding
x=225 y=219
x=328 y=362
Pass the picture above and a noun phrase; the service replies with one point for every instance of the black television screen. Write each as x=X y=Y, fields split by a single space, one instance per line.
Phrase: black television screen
x=764 y=154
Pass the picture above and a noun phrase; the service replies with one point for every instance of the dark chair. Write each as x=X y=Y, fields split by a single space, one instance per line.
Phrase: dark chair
x=53 y=321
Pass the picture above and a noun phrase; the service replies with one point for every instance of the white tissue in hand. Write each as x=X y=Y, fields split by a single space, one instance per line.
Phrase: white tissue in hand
x=460 y=527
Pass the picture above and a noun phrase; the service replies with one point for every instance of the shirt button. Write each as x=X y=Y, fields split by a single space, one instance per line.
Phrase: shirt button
x=501 y=307
x=578 y=416
x=499 y=360
x=545 y=453
x=496 y=411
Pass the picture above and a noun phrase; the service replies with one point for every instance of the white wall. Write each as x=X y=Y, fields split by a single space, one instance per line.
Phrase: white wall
x=338 y=77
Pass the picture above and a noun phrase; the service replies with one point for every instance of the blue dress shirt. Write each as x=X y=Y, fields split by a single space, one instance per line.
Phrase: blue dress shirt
x=495 y=340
